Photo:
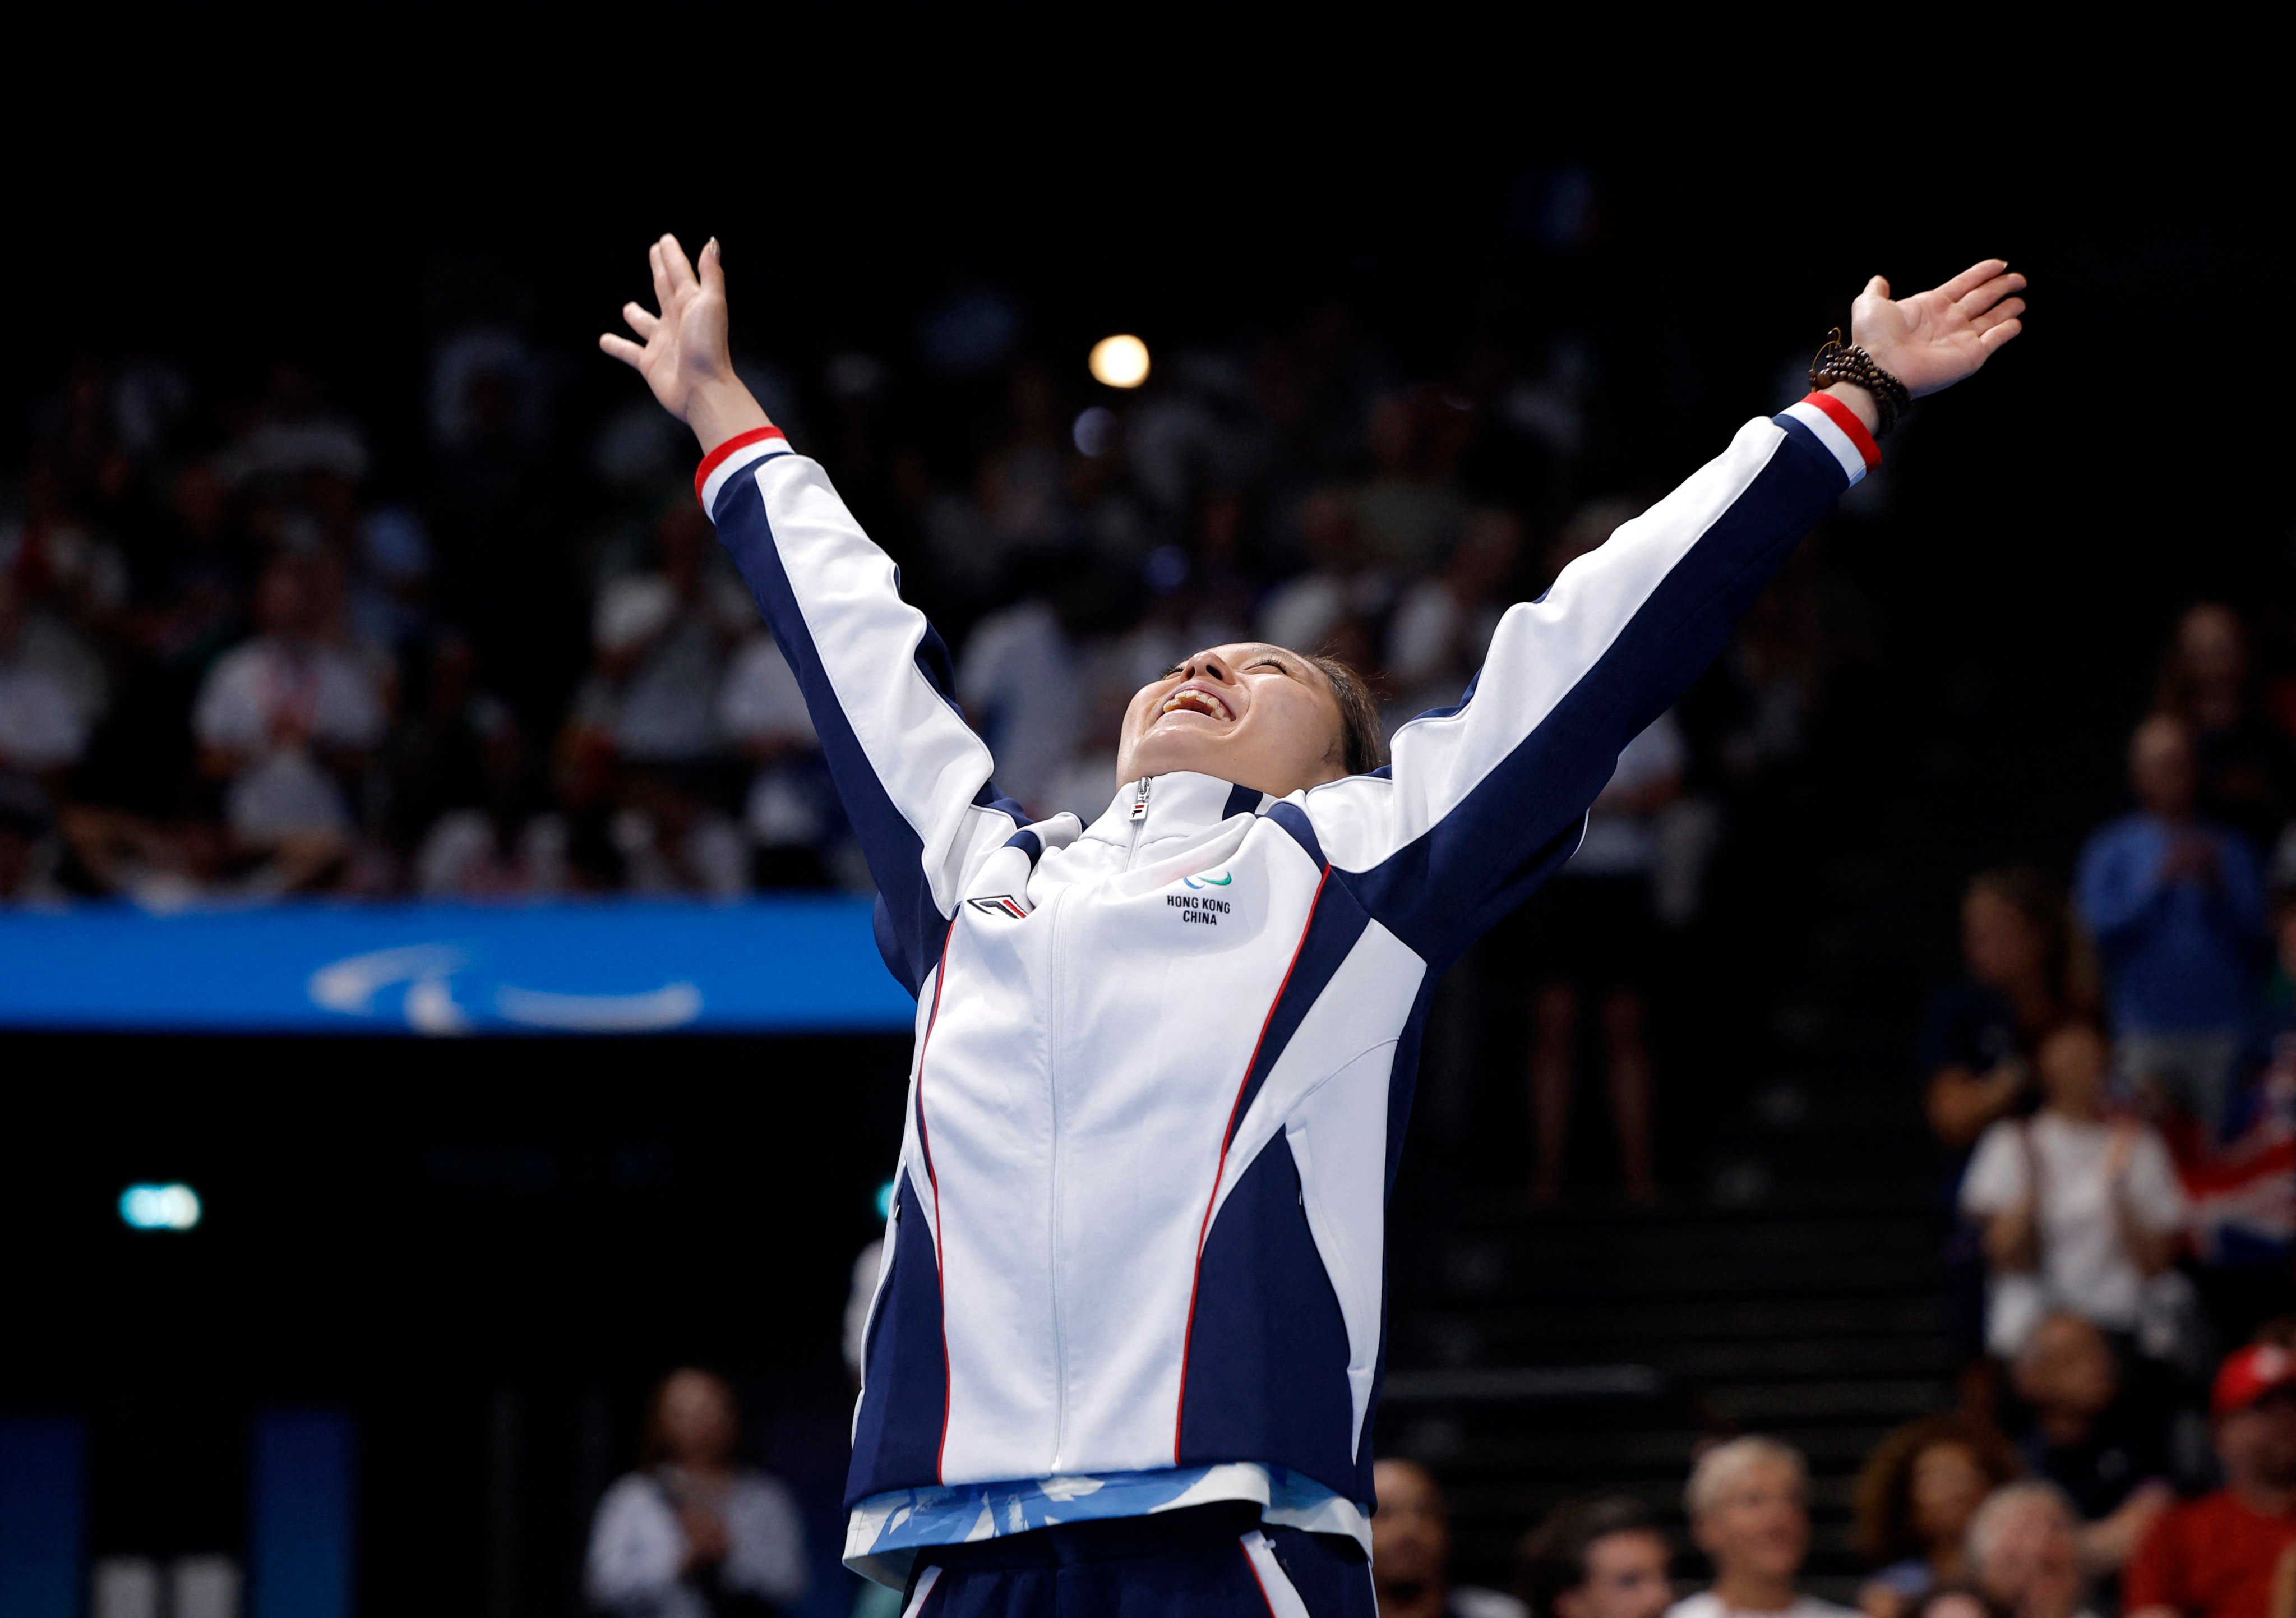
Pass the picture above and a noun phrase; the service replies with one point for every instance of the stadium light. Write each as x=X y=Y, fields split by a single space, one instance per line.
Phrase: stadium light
x=1120 y=361
x=160 y=1207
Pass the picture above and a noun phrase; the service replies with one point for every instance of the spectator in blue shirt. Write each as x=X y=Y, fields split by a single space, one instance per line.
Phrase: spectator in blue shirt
x=2177 y=906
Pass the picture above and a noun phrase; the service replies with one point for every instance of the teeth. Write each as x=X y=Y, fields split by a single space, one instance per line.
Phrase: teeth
x=1197 y=701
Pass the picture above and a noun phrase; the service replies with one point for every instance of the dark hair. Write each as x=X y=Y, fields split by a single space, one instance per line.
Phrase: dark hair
x=1885 y=1529
x=1362 y=739
x=1552 y=1555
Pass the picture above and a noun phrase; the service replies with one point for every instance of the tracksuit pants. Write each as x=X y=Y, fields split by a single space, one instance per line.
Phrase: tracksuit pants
x=1215 y=1561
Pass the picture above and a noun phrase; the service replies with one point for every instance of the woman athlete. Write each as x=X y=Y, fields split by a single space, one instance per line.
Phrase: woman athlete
x=1125 y=1347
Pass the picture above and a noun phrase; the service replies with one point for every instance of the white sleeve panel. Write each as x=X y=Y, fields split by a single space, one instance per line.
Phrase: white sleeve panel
x=926 y=759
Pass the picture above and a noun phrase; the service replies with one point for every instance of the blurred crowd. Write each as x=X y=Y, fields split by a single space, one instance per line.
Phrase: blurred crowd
x=253 y=645
x=2077 y=1517
x=2082 y=1514
x=2113 y=1085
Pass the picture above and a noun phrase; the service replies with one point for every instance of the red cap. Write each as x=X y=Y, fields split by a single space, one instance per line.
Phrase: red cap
x=2250 y=1374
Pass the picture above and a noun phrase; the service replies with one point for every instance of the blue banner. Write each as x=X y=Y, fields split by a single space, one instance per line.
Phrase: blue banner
x=785 y=965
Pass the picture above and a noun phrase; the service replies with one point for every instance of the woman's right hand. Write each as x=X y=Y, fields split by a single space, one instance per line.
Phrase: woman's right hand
x=685 y=357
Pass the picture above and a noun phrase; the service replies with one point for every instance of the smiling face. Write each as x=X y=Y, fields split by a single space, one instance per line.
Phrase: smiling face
x=1250 y=713
x=1756 y=1524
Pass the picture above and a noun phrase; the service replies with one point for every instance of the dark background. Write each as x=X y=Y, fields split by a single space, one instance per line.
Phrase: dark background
x=461 y=1241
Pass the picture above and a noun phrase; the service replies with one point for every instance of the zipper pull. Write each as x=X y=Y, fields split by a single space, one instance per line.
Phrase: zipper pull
x=1140 y=801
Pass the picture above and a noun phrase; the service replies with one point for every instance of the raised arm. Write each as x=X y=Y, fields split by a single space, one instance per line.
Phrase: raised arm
x=914 y=776
x=1483 y=799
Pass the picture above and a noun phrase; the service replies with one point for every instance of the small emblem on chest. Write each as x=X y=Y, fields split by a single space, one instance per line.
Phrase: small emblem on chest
x=1206 y=905
x=1000 y=904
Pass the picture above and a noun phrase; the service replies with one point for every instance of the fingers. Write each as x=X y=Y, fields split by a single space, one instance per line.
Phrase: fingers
x=1998 y=313
x=681 y=268
x=1993 y=337
x=1970 y=279
x=642 y=320
x=1878 y=287
x=1983 y=298
x=713 y=269
x=662 y=285
x=622 y=349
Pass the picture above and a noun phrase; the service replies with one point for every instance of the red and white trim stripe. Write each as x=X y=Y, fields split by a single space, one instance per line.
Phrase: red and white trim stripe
x=1838 y=428
x=729 y=457
x=1282 y=1595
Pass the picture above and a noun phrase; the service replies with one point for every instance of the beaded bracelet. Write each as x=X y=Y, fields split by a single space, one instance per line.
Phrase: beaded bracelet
x=1837 y=363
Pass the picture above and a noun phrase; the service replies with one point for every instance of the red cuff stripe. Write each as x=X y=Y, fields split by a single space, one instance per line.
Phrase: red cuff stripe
x=718 y=456
x=1845 y=418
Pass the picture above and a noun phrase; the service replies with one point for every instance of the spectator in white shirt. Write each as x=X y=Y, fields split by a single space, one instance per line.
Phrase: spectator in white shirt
x=42 y=729
x=1443 y=625
x=2024 y=1552
x=691 y=1534
x=1748 y=1502
x=660 y=640
x=287 y=718
x=1022 y=681
x=2080 y=1211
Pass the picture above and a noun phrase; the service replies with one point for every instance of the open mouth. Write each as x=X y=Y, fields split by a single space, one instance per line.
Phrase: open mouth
x=1195 y=699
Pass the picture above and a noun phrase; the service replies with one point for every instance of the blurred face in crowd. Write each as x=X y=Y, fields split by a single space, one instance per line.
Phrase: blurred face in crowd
x=2000 y=945
x=2066 y=1368
x=2258 y=1445
x=2160 y=767
x=2074 y=1060
x=283 y=601
x=1411 y=1531
x=1948 y=1487
x=697 y=1421
x=2031 y=1563
x=1626 y=1577
x=1250 y=713
x=2213 y=649
x=1756 y=1526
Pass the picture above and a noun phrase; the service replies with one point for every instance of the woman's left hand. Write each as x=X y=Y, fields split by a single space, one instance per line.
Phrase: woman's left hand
x=1933 y=339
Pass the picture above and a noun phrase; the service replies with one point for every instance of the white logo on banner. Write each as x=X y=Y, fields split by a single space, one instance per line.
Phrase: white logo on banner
x=430 y=1007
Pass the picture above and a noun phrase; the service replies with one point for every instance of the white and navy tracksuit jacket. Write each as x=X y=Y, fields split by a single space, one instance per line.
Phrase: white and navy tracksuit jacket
x=1164 y=1061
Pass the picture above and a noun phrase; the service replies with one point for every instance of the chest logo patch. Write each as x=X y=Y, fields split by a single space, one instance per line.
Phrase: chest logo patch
x=1205 y=906
x=1000 y=904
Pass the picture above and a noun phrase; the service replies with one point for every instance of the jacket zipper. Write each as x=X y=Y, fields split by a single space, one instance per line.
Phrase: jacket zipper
x=1053 y=1093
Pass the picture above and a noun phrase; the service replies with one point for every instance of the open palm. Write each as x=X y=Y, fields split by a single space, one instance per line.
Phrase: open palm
x=685 y=345
x=1933 y=339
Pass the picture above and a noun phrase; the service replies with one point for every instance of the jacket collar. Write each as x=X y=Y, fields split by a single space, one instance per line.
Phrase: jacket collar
x=1176 y=806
